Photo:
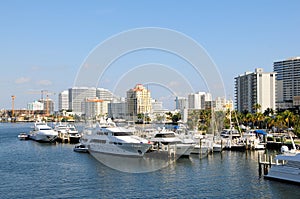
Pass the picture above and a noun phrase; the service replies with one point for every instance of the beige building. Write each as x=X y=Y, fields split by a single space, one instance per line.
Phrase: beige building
x=138 y=100
x=95 y=107
x=254 y=88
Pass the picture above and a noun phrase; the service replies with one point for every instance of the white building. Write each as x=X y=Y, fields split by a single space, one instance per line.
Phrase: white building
x=95 y=107
x=104 y=94
x=181 y=103
x=35 y=106
x=255 y=88
x=156 y=105
x=63 y=100
x=221 y=104
x=77 y=96
x=200 y=100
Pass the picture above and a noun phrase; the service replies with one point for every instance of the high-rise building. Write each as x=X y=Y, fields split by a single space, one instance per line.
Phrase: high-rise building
x=138 y=100
x=287 y=81
x=221 y=104
x=117 y=110
x=254 y=88
x=181 y=103
x=200 y=100
x=194 y=100
x=63 y=100
x=48 y=105
x=95 y=107
x=35 y=106
x=77 y=96
x=104 y=94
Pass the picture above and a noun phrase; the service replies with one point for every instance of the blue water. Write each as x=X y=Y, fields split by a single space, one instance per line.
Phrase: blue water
x=38 y=170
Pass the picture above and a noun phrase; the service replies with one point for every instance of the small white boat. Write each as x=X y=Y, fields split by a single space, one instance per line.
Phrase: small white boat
x=23 y=136
x=80 y=148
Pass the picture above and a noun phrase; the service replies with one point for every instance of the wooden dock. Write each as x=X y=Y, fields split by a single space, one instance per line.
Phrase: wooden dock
x=265 y=162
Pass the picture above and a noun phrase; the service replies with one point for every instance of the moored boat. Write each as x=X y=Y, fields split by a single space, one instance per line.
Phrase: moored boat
x=42 y=133
x=81 y=148
x=23 y=136
x=107 y=138
x=287 y=165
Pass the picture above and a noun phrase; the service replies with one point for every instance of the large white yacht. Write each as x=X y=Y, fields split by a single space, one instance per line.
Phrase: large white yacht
x=107 y=138
x=42 y=132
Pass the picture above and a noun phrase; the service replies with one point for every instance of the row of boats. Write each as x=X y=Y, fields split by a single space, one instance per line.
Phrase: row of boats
x=42 y=132
x=106 y=138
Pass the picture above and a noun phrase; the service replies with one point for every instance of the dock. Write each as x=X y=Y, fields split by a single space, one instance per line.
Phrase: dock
x=265 y=162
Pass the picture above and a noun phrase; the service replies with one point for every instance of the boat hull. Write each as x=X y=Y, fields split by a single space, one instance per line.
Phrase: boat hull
x=41 y=137
x=284 y=173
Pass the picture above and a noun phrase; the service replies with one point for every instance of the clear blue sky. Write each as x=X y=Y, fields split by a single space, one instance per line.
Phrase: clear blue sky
x=43 y=43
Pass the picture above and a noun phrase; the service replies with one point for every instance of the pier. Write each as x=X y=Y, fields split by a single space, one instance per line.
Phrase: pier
x=265 y=162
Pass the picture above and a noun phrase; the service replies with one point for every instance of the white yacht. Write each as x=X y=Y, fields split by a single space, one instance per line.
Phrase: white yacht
x=107 y=138
x=74 y=135
x=287 y=166
x=62 y=132
x=166 y=140
x=43 y=133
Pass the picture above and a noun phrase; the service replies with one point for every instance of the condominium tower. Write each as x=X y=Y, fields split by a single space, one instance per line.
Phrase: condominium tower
x=254 y=88
x=288 y=82
x=77 y=96
x=138 y=100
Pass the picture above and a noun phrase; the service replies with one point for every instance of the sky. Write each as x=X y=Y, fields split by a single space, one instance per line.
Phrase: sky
x=44 y=44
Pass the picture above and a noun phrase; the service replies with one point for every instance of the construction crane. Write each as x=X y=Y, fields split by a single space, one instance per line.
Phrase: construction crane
x=13 y=97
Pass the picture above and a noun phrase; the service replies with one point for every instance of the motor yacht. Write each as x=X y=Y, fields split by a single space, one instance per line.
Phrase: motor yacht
x=107 y=138
x=167 y=140
x=287 y=165
x=62 y=132
x=43 y=133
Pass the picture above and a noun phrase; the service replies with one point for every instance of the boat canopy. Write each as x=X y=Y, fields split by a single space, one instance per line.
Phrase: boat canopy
x=261 y=132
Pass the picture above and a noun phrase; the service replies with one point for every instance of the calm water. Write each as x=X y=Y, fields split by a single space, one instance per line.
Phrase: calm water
x=34 y=170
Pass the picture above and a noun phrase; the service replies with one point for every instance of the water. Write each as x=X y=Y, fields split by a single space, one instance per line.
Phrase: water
x=37 y=170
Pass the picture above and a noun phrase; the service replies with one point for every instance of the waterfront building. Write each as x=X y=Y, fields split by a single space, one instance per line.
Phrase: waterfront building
x=63 y=100
x=35 y=106
x=77 y=96
x=181 y=103
x=138 y=100
x=200 y=100
x=117 y=110
x=95 y=107
x=222 y=104
x=254 y=88
x=48 y=105
x=104 y=94
x=288 y=81
x=194 y=100
x=156 y=105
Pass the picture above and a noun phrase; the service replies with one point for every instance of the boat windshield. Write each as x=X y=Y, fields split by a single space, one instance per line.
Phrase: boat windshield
x=122 y=133
x=43 y=129
x=164 y=135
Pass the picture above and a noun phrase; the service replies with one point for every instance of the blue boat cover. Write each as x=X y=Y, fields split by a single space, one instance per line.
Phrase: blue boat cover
x=261 y=132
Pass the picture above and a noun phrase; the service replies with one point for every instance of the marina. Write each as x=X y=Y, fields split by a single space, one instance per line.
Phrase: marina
x=57 y=172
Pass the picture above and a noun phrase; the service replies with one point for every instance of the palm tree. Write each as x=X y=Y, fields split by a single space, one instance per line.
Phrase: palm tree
x=256 y=107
